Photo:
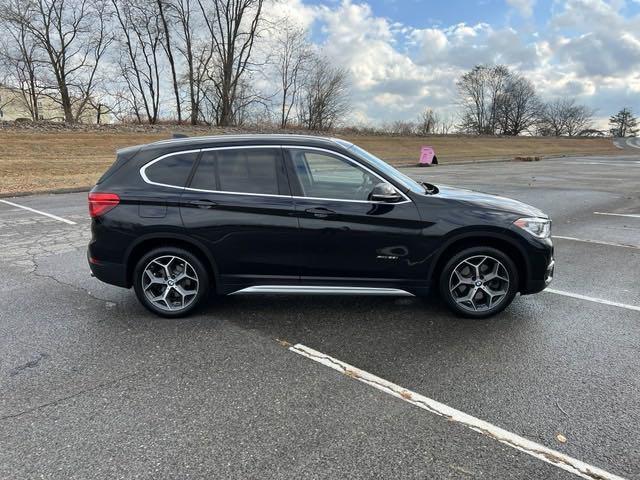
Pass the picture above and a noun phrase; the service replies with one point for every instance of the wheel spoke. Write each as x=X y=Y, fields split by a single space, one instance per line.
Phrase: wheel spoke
x=495 y=273
x=153 y=280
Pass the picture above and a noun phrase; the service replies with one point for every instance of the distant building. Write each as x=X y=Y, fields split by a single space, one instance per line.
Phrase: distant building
x=14 y=106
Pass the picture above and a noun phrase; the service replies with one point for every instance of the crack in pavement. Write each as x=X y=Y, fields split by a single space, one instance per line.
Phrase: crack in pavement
x=108 y=384
x=36 y=267
x=30 y=364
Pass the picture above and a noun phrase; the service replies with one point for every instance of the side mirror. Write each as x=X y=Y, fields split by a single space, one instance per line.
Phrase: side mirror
x=385 y=192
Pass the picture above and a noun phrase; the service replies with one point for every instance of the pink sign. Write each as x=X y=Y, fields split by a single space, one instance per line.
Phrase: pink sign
x=428 y=157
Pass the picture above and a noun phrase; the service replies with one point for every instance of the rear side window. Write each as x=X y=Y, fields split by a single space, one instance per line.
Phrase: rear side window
x=173 y=170
x=245 y=170
x=205 y=176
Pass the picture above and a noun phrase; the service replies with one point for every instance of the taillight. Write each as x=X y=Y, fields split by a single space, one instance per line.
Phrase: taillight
x=100 y=203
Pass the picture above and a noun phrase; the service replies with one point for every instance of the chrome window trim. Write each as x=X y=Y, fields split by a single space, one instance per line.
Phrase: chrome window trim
x=146 y=179
x=143 y=169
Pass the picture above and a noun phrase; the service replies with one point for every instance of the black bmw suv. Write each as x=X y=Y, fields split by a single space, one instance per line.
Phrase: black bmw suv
x=180 y=219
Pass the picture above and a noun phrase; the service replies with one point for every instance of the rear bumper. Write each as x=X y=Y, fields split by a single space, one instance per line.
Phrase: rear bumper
x=112 y=273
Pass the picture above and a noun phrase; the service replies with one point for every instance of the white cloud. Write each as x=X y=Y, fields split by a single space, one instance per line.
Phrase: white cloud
x=589 y=49
x=525 y=7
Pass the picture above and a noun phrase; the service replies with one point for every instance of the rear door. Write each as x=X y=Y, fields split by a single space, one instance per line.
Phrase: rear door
x=238 y=203
x=344 y=237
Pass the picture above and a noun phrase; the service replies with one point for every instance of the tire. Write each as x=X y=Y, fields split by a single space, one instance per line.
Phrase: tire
x=472 y=282
x=152 y=277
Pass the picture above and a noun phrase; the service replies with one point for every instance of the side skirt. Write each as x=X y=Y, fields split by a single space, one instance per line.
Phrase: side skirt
x=324 y=290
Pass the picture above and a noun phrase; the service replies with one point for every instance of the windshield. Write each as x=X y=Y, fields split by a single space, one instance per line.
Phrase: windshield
x=388 y=170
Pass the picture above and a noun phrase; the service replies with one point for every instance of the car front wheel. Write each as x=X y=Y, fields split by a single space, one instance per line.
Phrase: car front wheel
x=170 y=281
x=478 y=282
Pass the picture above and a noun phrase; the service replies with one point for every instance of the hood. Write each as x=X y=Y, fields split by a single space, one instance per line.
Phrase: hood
x=489 y=201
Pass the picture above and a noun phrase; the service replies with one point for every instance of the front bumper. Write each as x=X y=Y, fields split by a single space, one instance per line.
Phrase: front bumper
x=541 y=281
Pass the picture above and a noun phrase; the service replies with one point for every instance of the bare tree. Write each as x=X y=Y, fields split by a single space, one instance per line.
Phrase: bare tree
x=479 y=94
x=518 y=106
x=428 y=122
x=579 y=118
x=292 y=57
x=233 y=28
x=446 y=125
x=564 y=117
x=163 y=6
x=324 y=99
x=73 y=38
x=19 y=60
x=623 y=124
x=400 y=127
x=140 y=38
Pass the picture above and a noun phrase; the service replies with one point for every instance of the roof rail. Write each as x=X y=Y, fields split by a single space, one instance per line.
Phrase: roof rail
x=179 y=135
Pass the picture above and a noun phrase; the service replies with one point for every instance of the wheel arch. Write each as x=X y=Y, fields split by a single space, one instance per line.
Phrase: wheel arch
x=499 y=240
x=146 y=243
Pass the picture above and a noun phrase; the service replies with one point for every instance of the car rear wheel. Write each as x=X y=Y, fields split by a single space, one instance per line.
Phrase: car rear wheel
x=170 y=281
x=478 y=282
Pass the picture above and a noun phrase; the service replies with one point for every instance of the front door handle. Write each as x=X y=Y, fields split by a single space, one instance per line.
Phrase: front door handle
x=320 y=212
x=202 y=203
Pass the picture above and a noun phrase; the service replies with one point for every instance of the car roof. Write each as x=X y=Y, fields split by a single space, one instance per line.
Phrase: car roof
x=253 y=139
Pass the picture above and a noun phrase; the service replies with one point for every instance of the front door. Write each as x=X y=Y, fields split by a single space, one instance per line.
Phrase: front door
x=345 y=237
x=239 y=205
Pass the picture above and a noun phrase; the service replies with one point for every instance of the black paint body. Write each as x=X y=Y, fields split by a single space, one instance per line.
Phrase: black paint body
x=286 y=239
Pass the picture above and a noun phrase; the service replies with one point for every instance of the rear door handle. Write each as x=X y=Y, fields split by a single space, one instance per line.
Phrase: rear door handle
x=203 y=203
x=320 y=212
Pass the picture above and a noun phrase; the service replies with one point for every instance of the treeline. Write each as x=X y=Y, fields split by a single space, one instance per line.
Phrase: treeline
x=225 y=62
x=494 y=100
x=497 y=101
x=195 y=61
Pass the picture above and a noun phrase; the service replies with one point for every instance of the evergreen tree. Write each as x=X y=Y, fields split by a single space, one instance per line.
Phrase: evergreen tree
x=623 y=124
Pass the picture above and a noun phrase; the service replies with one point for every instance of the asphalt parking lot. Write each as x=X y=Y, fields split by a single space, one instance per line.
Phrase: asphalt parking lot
x=93 y=386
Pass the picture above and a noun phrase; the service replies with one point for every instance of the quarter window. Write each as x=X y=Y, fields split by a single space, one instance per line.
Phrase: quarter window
x=173 y=170
x=322 y=175
x=245 y=170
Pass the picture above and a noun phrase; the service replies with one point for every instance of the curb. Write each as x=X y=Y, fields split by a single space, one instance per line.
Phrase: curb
x=52 y=191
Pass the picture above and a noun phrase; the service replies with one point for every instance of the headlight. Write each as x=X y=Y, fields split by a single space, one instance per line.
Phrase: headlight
x=538 y=227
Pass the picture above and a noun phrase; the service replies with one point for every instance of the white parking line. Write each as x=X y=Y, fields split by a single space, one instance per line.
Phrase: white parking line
x=55 y=217
x=598 y=242
x=505 y=437
x=632 y=215
x=592 y=299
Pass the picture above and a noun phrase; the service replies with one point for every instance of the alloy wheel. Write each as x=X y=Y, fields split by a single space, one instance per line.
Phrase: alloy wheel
x=170 y=283
x=479 y=283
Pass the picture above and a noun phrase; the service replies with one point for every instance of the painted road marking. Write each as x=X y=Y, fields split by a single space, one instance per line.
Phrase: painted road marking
x=632 y=142
x=55 y=217
x=632 y=215
x=505 y=437
x=598 y=242
x=592 y=299
x=632 y=163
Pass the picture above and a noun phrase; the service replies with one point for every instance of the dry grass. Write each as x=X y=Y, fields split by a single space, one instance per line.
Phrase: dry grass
x=406 y=150
x=31 y=161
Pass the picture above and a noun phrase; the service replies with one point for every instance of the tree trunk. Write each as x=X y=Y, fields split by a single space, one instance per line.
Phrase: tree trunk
x=172 y=62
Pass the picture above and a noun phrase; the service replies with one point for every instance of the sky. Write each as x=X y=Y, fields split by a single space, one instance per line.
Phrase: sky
x=405 y=55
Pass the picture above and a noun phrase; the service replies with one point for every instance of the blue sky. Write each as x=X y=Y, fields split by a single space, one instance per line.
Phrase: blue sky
x=427 y=13
x=405 y=55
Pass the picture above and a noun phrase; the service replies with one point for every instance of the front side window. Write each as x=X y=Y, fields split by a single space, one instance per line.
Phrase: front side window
x=172 y=170
x=323 y=175
x=243 y=170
